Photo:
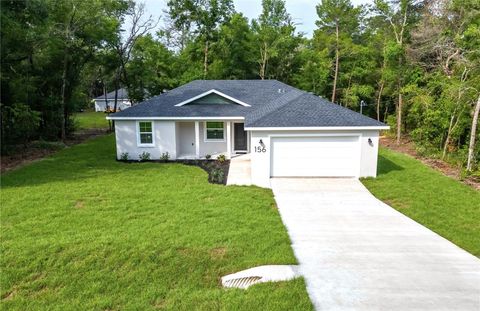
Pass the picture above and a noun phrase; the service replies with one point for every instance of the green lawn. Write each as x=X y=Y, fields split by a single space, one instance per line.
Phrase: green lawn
x=440 y=203
x=90 y=120
x=82 y=231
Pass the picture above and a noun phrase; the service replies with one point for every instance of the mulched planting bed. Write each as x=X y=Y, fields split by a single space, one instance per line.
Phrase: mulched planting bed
x=212 y=167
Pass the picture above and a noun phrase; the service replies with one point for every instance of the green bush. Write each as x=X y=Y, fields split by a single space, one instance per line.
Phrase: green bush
x=208 y=156
x=124 y=156
x=144 y=156
x=221 y=158
x=165 y=156
x=217 y=176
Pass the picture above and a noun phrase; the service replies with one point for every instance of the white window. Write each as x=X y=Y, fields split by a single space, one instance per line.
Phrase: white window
x=145 y=133
x=214 y=131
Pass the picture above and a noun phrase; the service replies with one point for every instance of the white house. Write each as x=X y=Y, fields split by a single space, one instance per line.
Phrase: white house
x=288 y=132
x=122 y=101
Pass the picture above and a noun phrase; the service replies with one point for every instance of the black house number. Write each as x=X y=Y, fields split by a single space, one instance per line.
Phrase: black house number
x=260 y=149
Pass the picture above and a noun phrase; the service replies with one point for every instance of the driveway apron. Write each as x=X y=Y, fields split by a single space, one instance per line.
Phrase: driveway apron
x=357 y=253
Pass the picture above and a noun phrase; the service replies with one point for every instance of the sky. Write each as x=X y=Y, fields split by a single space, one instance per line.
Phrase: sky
x=303 y=11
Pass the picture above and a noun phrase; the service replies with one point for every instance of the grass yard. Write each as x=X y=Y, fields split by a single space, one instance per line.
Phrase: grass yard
x=90 y=120
x=440 y=203
x=82 y=231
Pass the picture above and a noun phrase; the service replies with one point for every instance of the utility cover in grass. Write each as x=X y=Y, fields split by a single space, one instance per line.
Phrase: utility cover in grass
x=261 y=274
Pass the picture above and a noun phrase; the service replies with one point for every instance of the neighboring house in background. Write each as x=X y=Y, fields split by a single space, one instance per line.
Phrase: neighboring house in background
x=288 y=132
x=122 y=101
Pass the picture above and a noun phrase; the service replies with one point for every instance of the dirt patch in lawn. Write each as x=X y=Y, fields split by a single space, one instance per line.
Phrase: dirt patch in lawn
x=36 y=150
x=10 y=294
x=407 y=146
x=218 y=252
x=79 y=204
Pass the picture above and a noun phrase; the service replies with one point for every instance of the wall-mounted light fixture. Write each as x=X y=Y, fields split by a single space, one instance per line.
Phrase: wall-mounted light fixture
x=261 y=143
x=370 y=142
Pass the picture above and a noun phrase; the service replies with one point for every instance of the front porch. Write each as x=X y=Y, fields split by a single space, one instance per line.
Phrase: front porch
x=202 y=138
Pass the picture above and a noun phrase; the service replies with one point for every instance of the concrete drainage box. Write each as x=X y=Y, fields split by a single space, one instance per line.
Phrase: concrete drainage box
x=260 y=274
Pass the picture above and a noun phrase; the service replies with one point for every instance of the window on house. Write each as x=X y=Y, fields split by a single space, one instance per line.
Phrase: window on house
x=145 y=132
x=214 y=131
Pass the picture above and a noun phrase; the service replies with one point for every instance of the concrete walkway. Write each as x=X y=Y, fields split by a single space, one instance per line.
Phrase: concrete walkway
x=357 y=253
x=239 y=172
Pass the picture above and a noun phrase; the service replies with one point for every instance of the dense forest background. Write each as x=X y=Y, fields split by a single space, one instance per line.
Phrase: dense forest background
x=412 y=64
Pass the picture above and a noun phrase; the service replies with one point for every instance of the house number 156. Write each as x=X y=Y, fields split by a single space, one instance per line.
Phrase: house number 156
x=260 y=149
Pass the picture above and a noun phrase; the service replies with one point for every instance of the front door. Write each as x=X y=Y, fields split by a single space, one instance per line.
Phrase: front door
x=240 y=137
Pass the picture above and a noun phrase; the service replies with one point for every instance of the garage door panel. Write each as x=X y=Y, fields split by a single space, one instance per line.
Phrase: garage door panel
x=326 y=156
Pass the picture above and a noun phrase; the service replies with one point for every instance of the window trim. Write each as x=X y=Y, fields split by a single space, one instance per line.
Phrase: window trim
x=139 y=144
x=209 y=140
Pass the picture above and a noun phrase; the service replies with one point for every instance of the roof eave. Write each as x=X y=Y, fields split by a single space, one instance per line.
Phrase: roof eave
x=317 y=128
x=173 y=118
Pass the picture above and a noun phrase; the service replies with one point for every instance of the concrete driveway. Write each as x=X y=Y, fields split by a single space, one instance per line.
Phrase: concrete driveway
x=357 y=253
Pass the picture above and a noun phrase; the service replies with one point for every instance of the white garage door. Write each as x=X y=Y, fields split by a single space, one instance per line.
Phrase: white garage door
x=325 y=156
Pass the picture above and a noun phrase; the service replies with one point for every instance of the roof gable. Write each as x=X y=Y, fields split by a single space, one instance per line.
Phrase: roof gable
x=212 y=97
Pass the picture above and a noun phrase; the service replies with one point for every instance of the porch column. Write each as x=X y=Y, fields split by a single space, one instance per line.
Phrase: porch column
x=229 y=140
x=197 y=139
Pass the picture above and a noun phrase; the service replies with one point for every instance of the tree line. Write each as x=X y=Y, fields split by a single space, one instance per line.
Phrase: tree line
x=414 y=64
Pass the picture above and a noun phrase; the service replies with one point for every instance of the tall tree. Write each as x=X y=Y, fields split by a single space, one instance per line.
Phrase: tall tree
x=473 y=134
x=234 y=56
x=378 y=40
x=468 y=12
x=139 y=24
x=149 y=69
x=55 y=39
x=401 y=16
x=314 y=70
x=338 y=18
x=443 y=48
x=79 y=27
x=205 y=17
x=275 y=36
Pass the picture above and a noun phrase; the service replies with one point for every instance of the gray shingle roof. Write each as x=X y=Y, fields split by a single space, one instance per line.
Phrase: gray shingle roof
x=122 y=94
x=273 y=104
x=309 y=110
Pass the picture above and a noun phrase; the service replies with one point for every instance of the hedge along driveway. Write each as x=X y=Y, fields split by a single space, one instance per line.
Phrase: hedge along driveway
x=81 y=230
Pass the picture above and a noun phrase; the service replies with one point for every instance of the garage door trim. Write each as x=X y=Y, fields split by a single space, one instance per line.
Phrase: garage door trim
x=283 y=135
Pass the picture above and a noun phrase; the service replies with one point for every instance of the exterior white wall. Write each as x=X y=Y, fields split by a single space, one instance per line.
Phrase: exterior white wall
x=100 y=105
x=369 y=153
x=260 y=161
x=185 y=137
x=127 y=139
x=213 y=148
x=176 y=138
